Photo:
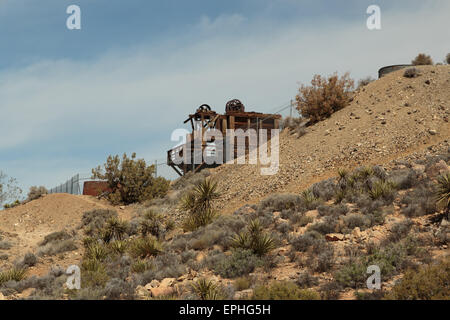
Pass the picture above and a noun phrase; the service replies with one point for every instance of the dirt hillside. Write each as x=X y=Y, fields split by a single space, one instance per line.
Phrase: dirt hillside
x=25 y=226
x=391 y=118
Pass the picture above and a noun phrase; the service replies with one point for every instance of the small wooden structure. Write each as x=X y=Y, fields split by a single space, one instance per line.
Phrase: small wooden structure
x=203 y=119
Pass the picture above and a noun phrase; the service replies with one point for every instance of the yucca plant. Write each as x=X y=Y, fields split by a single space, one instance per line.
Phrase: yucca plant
x=141 y=266
x=199 y=205
x=206 y=290
x=115 y=229
x=443 y=191
x=381 y=189
x=14 y=274
x=96 y=251
x=343 y=174
x=145 y=247
x=254 y=239
x=309 y=199
x=118 y=246
x=366 y=172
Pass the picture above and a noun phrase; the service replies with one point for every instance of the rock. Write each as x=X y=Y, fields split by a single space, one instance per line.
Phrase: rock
x=122 y=207
x=444 y=223
x=244 y=294
x=432 y=132
x=27 y=292
x=2 y=297
x=167 y=282
x=356 y=232
x=162 y=291
x=141 y=292
x=200 y=257
x=153 y=284
x=437 y=169
x=334 y=237
x=276 y=214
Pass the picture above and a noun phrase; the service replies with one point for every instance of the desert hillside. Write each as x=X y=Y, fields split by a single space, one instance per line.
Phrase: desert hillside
x=388 y=119
x=357 y=189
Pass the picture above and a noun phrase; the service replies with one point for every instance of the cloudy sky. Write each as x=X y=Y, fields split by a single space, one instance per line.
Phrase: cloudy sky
x=130 y=76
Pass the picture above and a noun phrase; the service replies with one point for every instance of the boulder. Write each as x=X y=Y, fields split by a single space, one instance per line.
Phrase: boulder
x=437 y=169
x=162 y=291
x=167 y=282
x=2 y=297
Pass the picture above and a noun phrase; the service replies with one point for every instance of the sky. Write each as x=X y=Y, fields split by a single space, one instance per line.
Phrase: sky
x=137 y=68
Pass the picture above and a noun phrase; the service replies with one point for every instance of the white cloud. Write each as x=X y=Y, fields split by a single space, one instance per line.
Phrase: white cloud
x=149 y=90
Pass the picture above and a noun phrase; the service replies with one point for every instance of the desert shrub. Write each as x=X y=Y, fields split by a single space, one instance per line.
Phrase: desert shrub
x=93 y=273
x=329 y=225
x=118 y=246
x=131 y=180
x=384 y=190
x=206 y=290
x=118 y=289
x=284 y=290
x=301 y=220
x=365 y=81
x=420 y=201
x=352 y=274
x=144 y=247
x=411 y=73
x=5 y=245
x=422 y=59
x=356 y=220
x=324 y=189
x=56 y=247
x=36 y=192
x=447 y=58
x=321 y=259
x=306 y=280
x=4 y=256
x=443 y=191
x=240 y=263
x=280 y=202
x=141 y=266
x=255 y=239
x=9 y=189
x=151 y=223
x=309 y=200
x=303 y=242
x=428 y=283
x=27 y=261
x=330 y=290
x=115 y=229
x=55 y=236
x=400 y=230
x=94 y=221
x=96 y=251
x=404 y=178
x=336 y=210
x=284 y=228
x=190 y=179
x=324 y=97
x=14 y=274
x=242 y=283
x=372 y=295
x=199 y=204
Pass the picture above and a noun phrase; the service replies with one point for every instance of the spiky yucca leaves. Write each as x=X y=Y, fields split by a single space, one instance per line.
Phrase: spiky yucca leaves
x=381 y=189
x=96 y=251
x=118 y=246
x=14 y=274
x=141 y=266
x=115 y=229
x=207 y=290
x=255 y=239
x=443 y=191
x=309 y=199
x=145 y=247
x=199 y=205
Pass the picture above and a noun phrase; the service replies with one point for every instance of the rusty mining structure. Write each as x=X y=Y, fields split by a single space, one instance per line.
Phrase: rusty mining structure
x=205 y=119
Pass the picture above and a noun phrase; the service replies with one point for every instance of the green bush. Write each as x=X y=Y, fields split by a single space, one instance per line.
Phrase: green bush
x=324 y=97
x=284 y=290
x=206 y=290
x=14 y=274
x=428 y=283
x=144 y=247
x=130 y=180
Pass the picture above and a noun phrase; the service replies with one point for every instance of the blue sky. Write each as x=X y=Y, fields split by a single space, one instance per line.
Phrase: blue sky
x=129 y=77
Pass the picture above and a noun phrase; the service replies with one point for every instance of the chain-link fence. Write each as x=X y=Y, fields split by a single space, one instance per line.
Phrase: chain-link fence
x=71 y=186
